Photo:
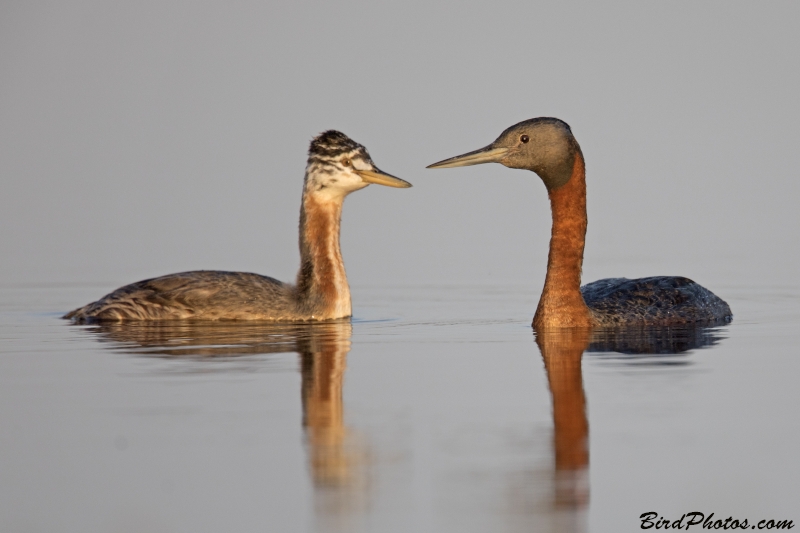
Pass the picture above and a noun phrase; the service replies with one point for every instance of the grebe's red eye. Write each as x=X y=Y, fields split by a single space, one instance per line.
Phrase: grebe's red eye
x=524 y=138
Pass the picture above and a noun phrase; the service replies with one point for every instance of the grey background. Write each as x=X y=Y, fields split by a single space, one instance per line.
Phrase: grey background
x=145 y=138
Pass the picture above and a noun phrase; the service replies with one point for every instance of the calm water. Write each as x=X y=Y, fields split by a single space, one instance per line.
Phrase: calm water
x=436 y=409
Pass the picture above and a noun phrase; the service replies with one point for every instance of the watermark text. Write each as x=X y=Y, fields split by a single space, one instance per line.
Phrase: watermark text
x=653 y=520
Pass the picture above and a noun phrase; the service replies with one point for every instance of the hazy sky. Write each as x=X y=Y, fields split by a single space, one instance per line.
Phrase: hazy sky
x=144 y=138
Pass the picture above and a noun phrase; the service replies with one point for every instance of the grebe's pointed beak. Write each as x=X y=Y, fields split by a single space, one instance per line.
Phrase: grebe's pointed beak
x=488 y=154
x=380 y=177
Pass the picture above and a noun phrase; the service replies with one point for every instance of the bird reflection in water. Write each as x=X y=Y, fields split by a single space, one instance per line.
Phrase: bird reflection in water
x=562 y=351
x=338 y=458
x=340 y=461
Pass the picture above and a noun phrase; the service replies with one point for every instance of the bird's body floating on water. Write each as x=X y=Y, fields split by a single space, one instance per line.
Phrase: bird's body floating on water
x=547 y=147
x=337 y=166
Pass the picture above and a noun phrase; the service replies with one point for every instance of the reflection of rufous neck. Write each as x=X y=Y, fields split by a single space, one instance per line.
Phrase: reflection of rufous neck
x=323 y=416
x=337 y=457
x=562 y=351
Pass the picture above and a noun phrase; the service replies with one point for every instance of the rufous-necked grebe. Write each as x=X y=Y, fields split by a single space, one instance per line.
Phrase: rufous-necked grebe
x=547 y=147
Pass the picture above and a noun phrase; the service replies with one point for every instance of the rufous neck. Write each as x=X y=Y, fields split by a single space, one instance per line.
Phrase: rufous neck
x=322 y=283
x=561 y=304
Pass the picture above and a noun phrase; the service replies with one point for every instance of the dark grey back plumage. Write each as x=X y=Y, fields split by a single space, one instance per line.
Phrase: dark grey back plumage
x=654 y=301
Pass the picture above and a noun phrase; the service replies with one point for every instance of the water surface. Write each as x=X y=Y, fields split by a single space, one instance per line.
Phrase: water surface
x=435 y=409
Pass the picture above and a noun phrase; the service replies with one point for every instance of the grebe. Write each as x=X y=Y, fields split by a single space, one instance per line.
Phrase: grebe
x=547 y=147
x=336 y=166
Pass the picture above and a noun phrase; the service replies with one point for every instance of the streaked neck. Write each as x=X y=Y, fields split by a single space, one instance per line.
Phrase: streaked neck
x=322 y=283
x=561 y=304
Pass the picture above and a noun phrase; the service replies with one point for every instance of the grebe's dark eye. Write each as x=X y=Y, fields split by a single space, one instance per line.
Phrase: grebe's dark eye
x=524 y=138
x=347 y=162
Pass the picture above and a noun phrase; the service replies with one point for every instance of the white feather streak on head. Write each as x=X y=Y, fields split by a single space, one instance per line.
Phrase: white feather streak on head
x=332 y=176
